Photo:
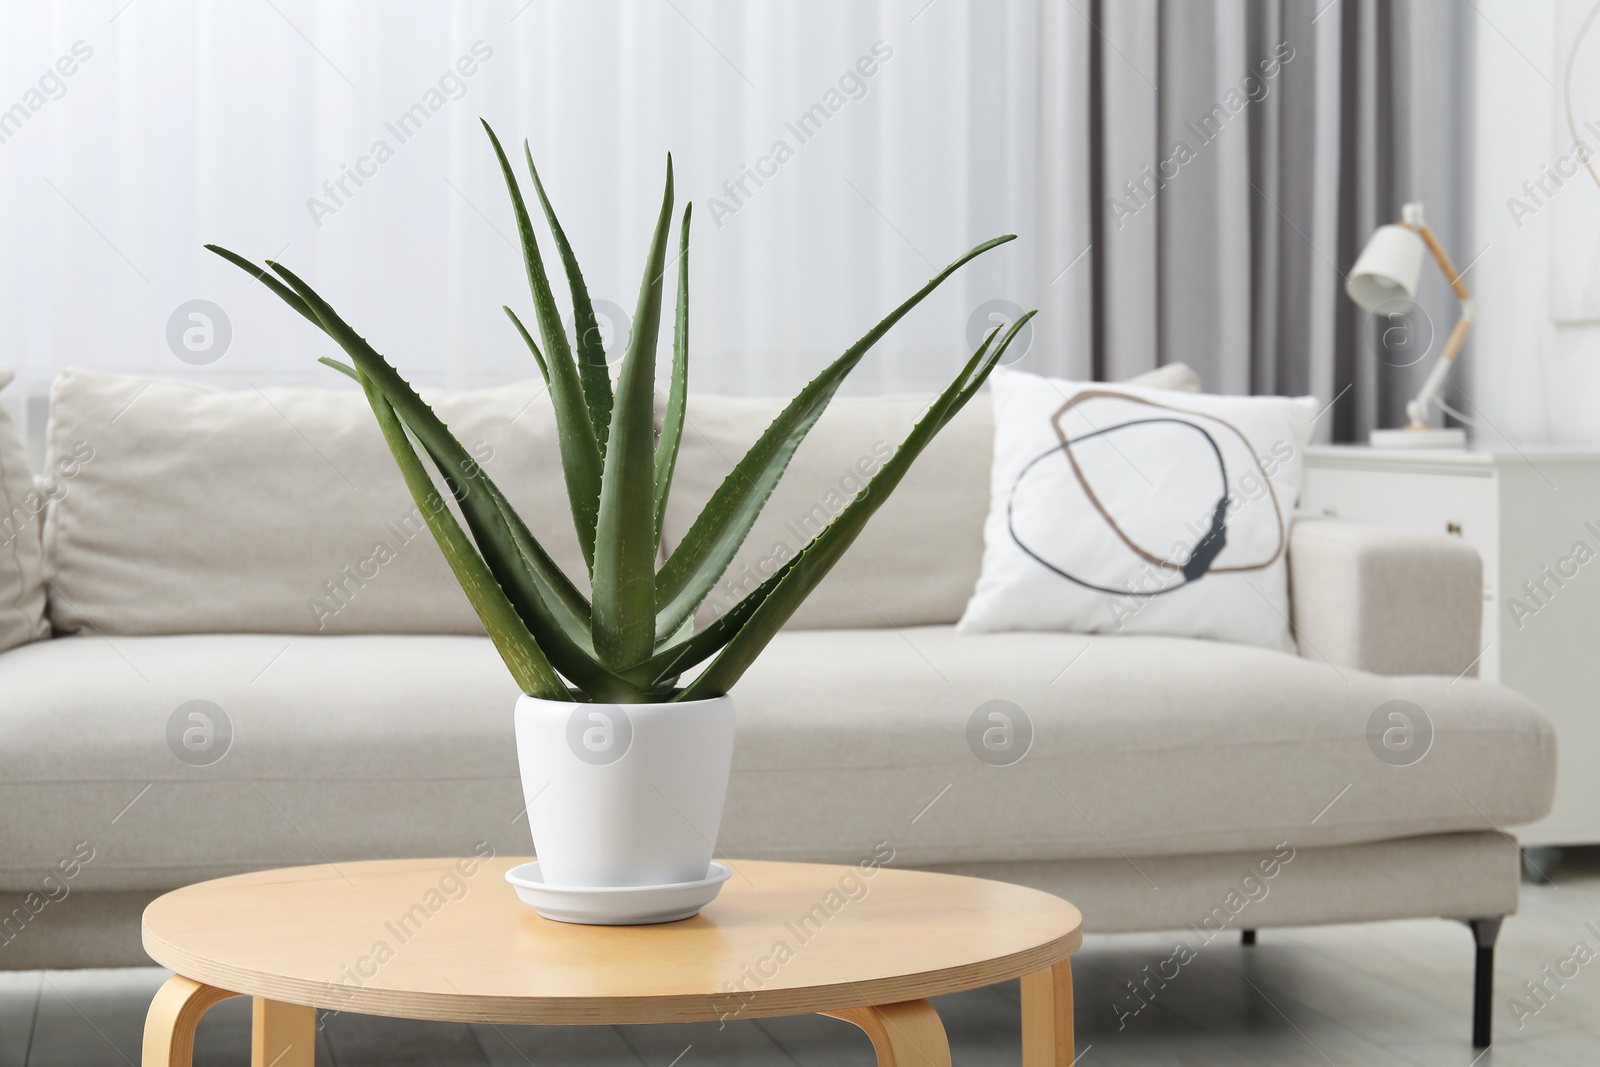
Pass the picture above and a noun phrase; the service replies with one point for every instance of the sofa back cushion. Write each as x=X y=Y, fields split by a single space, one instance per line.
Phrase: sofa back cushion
x=22 y=601
x=270 y=510
x=918 y=559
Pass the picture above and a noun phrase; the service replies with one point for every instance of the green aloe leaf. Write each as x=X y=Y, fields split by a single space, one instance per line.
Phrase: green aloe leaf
x=545 y=597
x=814 y=561
x=522 y=655
x=666 y=664
x=527 y=339
x=451 y=455
x=580 y=449
x=625 y=537
x=553 y=586
x=287 y=295
x=678 y=394
x=592 y=370
x=542 y=594
x=715 y=536
x=661 y=670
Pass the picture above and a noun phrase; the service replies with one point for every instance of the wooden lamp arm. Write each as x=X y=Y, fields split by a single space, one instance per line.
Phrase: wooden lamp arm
x=1442 y=257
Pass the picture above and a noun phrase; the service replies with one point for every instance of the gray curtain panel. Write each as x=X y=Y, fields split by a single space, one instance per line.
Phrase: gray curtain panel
x=1218 y=166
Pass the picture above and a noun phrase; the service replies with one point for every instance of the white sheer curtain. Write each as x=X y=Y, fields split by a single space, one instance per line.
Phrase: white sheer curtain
x=192 y=121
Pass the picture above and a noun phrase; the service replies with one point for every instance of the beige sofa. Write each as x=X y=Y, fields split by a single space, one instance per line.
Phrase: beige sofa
x=223 y=547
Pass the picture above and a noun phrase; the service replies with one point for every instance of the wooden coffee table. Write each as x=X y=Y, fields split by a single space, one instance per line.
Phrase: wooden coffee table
x=425 y=939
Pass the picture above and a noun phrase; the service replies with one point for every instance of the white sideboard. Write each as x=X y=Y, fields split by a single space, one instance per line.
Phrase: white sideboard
x=1534 y=517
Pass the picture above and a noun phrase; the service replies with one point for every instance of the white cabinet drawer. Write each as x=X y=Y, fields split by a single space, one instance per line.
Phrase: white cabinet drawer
x=1463 y=504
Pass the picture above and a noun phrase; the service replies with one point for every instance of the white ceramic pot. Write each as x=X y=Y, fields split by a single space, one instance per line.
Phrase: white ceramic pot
x=624 y=794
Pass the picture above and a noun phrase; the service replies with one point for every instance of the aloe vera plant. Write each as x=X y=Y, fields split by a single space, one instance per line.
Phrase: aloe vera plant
x=631 y=641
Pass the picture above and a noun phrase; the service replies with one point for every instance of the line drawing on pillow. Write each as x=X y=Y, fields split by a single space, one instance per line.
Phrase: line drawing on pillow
x=1203 y=556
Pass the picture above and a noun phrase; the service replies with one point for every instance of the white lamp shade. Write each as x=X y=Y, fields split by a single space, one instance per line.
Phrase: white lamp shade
x=1388 y=268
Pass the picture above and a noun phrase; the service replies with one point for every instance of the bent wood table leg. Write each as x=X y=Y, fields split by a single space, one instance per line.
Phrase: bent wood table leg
x=1047 y=1017
x=282 y=1035
x=169 y=1025
x=903 y=1035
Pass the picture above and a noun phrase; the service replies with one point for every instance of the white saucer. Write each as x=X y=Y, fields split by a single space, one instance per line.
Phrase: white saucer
x=617 y=905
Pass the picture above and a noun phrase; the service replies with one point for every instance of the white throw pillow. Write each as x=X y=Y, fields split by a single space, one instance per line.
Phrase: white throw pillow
x=1118 y=509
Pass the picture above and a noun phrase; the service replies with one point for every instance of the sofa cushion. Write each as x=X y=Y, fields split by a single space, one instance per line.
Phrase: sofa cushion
x=916 y=562
x=271 y=510
x=1141 y=745
x=324 y=748
x=22 y=508
x=394 y=745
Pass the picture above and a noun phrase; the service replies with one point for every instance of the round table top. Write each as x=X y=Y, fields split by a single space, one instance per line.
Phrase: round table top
x=448 y=939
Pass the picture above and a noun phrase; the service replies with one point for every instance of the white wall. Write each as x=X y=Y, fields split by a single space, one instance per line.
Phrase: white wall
x=1533 y=381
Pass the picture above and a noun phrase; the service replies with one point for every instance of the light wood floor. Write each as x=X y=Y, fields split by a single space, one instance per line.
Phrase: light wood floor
x=1383 y=993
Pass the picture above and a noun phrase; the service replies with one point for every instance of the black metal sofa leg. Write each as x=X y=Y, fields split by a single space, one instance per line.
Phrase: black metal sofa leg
x=1247 y=937
x=1484 y=932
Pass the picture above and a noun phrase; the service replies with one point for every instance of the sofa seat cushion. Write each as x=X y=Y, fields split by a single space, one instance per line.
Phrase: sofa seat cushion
x=358 y=747
x=346 y=747
x=1140 y=746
